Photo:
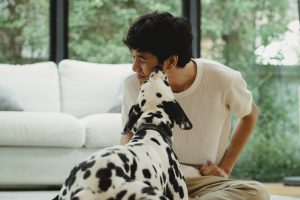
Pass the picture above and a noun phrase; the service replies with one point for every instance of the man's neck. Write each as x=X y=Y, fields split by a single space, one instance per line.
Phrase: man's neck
x=180 y=79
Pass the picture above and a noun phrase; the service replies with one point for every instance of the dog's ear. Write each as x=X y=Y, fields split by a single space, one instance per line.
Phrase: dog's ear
x=133 y=116
x=175 y=112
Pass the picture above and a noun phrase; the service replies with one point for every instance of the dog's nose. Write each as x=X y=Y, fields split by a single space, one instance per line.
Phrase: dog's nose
x=157 y=68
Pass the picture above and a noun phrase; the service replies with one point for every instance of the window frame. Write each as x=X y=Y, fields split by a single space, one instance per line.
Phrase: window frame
x=59 y=9
x=58 y=30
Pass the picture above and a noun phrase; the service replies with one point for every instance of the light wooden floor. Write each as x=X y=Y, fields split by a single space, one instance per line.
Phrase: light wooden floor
x=280 y=189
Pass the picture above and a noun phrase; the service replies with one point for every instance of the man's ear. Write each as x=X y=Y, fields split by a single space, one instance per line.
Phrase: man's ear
x=175 y=112
x=133 y=116
x=171 y=62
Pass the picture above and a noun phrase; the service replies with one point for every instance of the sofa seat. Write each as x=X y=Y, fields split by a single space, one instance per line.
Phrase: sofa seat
x=47 y=129
x=38 y=167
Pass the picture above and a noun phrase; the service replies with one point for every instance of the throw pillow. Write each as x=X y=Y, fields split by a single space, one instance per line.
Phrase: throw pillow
x=8 y=100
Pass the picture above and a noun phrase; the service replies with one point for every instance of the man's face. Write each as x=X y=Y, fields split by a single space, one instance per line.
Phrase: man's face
x=142 y=64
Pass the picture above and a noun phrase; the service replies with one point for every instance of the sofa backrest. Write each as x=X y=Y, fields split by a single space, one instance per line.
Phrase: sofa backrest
x=35 y=85
x=89 y=88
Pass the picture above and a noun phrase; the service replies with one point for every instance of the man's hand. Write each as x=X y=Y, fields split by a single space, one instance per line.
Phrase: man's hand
x=126 y=138
x=211 y=169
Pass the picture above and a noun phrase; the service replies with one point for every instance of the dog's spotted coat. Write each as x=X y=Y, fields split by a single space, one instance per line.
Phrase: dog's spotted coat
x=145 y=168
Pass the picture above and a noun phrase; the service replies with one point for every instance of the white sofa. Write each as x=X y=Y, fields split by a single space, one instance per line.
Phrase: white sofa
x=69 y=111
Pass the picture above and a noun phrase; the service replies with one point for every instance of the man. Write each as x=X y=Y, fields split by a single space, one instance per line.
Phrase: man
x=209 y=93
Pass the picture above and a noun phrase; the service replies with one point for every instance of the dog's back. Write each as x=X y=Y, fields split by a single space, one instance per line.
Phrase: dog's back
x=146 y=167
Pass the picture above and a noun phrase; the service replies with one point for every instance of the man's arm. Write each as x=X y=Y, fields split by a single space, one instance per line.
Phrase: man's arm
x=241 y=134
x=126 y=138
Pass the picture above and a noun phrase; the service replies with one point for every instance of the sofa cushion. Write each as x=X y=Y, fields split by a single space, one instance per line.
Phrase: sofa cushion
x=47 y=129
x=89 y=88
x=9 y=100
x=36 y=85
x=102 y=130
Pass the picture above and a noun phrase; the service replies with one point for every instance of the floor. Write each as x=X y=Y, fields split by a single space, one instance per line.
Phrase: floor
x=48 y=195
x=278 y=191
x=282 y=190
x=27 y=195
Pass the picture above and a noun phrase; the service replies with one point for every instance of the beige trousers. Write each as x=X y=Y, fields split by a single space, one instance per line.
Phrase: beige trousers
x=219 y=188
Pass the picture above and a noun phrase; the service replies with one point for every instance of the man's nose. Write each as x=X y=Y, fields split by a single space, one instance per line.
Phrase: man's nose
x=135 y=65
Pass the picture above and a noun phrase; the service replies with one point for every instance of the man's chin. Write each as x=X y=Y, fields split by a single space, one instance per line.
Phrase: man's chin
x=141 y=80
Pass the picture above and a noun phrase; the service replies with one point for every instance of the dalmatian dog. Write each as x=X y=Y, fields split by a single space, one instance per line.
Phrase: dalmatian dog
x=146 y=167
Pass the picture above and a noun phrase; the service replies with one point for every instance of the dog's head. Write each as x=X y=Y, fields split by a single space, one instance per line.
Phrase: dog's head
x=156 y=105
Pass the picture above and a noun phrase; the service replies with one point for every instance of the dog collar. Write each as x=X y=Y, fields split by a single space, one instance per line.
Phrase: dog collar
x=165 y=132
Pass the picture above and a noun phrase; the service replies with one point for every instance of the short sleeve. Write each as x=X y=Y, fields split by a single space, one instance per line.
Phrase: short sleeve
x=130 y=93
x=239 y=98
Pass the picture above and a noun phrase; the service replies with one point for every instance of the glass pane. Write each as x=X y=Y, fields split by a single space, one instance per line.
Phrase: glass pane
x=24 y=31
x=97 y=28
x=261 y=40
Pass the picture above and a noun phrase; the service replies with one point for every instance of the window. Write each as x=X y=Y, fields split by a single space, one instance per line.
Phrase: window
x=24 y=31
x=261 y=40
x=96 y=28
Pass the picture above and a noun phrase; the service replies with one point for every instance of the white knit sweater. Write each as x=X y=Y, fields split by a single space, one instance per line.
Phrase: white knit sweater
x=217 y=92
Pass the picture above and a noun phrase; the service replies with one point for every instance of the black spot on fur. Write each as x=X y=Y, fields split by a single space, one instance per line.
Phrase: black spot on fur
x=147 y=183
x=172 y=180
x=163 y=198
x=86 y=165
x=121 y=194
x=106 y=154
x=125 y=160
x=158 y=95
x=140 y=135
x=143 y=102
x=132 y=197
x=146 y=173
x=111 y=165
x=170 y=153
x=152 y=115
x=134 y=140
x=83 y=167
x=168 y=193
x=137 y=144
x=148 y=190
x=133 y=168
x=181 y=193
x=166 y=83
x=176 y=169
x=154 y=169
x=164 y=177
x=119 y=171
x=86 y=174
x=74 y=193
x=132 y=152
x=71 y=178
x=104 y=175
x=155 y=140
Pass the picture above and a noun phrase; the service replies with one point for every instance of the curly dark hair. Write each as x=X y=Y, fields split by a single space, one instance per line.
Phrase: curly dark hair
x=163 y=35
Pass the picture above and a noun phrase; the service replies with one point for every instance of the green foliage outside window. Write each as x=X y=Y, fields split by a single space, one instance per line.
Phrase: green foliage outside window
x=24 y=31
x=97 y=28
x=231 y=32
